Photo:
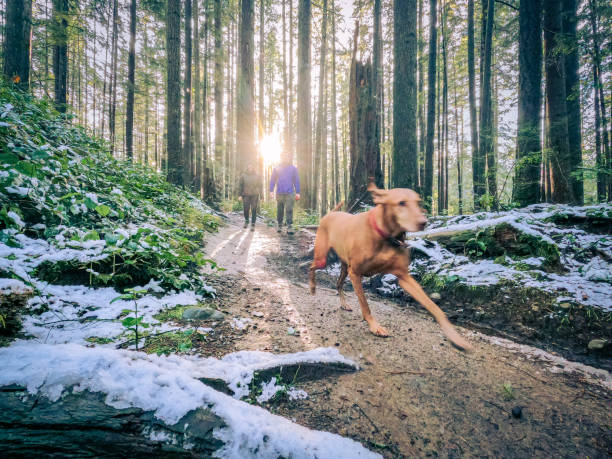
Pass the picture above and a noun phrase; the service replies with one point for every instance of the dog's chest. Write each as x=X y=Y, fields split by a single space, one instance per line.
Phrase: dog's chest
x=388 y=259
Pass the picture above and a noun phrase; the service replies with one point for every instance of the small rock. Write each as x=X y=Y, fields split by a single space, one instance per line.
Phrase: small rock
x=597 y=344
x=517 y=412
x=258 y=313
x=291 y=331
x=435 y=296
x=565 y=305
x=202 y=313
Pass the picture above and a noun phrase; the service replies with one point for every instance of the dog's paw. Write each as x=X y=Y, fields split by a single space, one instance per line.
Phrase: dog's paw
x=377 y=330
x=345 y=307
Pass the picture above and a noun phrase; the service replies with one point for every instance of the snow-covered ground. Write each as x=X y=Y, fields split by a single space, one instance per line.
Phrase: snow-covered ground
x=587 y=278
x=58 y=358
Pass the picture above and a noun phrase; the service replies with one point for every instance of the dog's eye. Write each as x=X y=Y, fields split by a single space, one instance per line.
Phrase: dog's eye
x=402 y=203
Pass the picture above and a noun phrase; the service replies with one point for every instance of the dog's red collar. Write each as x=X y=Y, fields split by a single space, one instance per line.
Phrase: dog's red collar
x=395 y=242
x=376 y=228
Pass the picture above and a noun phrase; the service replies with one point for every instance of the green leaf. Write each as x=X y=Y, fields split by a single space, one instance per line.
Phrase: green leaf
x=103 y=210
x=91 y=236
x=8 y=158
x=129 y=322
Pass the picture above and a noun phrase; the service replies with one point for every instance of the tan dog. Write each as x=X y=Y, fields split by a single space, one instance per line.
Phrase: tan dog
x=367 y=244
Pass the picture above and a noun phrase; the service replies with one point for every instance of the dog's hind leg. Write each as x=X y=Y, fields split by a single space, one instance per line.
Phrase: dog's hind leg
x=340 y=286
x=321 y=248
x=365 y=309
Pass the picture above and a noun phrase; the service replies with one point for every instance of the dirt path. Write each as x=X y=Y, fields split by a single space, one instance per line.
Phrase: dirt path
x=415 y=395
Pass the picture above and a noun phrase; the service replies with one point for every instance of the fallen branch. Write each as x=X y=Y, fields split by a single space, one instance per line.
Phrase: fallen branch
x=366 y=416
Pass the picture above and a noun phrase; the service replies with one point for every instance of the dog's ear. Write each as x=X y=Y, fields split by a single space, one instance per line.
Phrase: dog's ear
x=378 y=195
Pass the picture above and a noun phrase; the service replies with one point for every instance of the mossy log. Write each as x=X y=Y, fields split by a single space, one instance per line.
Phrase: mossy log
x=82 y=425
x=496 y=240
x=12 y=305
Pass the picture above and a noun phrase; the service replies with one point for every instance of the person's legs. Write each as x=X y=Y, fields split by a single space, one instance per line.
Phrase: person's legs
x=289 y=201
x=245 y=207
x=280 y=210
x=254 y=205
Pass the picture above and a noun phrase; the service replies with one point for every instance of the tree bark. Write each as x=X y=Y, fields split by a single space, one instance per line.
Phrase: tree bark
x=112 y=108
x=377 y=82
x=526 y=188
x=218 y=90
x=486 y=146
x=245 y=128
x=421 y=97
x=304 y=120
x=477 y=171
x=60 y=53
x=320 y=149
x=261 y=125
x=334 y=109
x=405 y=147
x=129 y=104
x=197 y=103
x=558 y=141
x=18 y=25
x=572 y=91
x=187 y=110
x=431 y=107
x=173 y=95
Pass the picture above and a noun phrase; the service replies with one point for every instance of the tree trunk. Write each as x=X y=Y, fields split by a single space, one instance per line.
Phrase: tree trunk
x=261 y=124
x=477 y=171
x=405 y=150
x=112 y=108
x=320 y=149
x=187 y=111
x=486 y=146
x=600 y=161
x=361 y=119
x=431 y=107
x=60 y=53
x=129 y=105
x=197 y=103
x=304 y=120
x=443 y=208
x=558 y=142
x=572 y=91
x=291 y=137
x=173 y=94
x=284 y=75
x=334 y=109
x=218 y=90
x=421 y=98
x=377 y=82
x=245 y=128
x=18 y=25
x=526 y=188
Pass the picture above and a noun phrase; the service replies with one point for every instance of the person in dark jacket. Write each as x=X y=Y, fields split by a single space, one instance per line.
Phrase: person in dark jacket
x=286 y=180
x=249 y=190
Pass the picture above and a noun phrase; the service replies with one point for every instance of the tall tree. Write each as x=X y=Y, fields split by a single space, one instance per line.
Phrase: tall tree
x=526 y=189
x=246 y=117
x=377 y=81
x=187 y=110
x=197 y=102
x=334 y=110
x=173 y=92
x=129 y=104
x=572 y=91
x=60 y=53
x=431 y=106
x=17 y=27
x=112 y=108
x=405 y=152
x=304 y=122
x=320 y=149
x=262 y=47
x=477 y=166
x=486 y=148
x=218 y=89
x=558 y=142
x=420 y=96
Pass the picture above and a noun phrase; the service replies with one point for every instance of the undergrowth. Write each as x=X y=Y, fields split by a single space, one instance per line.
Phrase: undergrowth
x=60 y=184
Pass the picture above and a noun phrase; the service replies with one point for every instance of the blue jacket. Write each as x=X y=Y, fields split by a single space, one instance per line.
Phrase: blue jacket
x=286 y=178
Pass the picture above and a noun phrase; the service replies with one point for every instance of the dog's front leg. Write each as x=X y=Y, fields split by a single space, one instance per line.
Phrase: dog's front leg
x=413 y=288
x=365 y=309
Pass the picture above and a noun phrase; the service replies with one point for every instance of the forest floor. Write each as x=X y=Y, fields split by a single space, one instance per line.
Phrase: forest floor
x=415 y=395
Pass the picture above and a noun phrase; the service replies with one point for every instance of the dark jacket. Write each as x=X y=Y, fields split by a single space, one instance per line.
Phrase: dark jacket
x=250 y=184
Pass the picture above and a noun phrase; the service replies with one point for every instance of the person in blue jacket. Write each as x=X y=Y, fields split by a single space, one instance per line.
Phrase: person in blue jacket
x=286 y=180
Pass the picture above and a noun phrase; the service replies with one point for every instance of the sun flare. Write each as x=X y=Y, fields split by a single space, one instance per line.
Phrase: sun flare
x=271 y=148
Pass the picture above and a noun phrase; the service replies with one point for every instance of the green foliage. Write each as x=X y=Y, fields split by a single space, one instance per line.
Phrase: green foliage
x=133 y=321
x=59 y=183
x=173 y=342
x=507 y=391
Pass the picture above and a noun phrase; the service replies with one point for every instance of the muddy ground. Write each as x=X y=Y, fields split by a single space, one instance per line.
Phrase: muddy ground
x=415 y=395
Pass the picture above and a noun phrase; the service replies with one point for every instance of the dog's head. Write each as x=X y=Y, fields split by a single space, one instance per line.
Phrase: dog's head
x=404 y=205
